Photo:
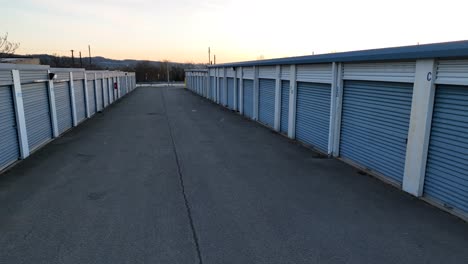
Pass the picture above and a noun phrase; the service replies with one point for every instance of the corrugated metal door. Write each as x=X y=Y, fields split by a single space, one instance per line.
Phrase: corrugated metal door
x=121 y=87
x=447 y=163
x=63 y=106
x=266 y=102
x=37 y=114
x=80 y=100
x=374 y=127
x=99 y=96
x=248 y=98
x=221 y=91
x=106 y=92
x=9 y=148
x=230 y=93
x=284 y=107
x=111 y=91
x=212 y=87
x=91 y=97
x=313 y=114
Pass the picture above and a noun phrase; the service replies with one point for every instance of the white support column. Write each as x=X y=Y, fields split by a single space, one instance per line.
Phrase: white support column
x=88 y=114
x=225 y=94
x=277 y=98
x=255 y=96
x=73 y=100
x=52 y=107
x=337 y=100
x=241 y=92
x=331 y=125
x=292 y=103
x=19 y=114
x=236 y=92
x=118 y=88
x=420 y=127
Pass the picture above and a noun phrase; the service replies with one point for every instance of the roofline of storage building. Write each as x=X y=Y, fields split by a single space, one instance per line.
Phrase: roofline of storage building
x=458 y=49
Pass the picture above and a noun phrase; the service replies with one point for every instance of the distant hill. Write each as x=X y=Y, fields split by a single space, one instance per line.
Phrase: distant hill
x=117 y=64
x=99 y=62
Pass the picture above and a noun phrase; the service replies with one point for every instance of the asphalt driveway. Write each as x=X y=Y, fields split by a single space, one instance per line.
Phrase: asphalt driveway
x=165 y=176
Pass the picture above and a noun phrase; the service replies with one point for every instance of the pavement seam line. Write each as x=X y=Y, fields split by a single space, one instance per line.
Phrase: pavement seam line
x=181 y=180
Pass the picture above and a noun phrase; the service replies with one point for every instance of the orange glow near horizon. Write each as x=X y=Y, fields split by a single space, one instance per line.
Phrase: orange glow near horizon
x=240 y=30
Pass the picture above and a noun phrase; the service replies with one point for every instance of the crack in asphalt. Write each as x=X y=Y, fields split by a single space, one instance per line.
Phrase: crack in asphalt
x=182 y=185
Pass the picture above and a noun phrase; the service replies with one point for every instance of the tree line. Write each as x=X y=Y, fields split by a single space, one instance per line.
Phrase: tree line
x=147 y=71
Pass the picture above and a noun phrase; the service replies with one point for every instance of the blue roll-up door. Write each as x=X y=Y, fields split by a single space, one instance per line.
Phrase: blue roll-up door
x=91 y=97
x=9 y=147
x=221 y=91
x=37 y=114
x=111 y=91
x=63 y=106
x=105 y=91
x=284 y=107
x=115 y=91
x=230 y=93
x=122 y=86
x=447 y=162
x=78 y=85
x=374 y=127
x=99 y=96
x=248 y=98
x=313 y=114
x=266 y=102
x=212 y=87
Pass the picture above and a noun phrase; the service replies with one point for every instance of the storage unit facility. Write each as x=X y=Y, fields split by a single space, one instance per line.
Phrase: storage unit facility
x=400 y=114
x=39 y=103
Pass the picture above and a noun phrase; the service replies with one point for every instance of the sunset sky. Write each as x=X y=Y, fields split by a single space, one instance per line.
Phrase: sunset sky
x=182 y=30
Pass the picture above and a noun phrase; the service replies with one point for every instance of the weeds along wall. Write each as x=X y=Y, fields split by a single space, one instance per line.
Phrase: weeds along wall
x=400 y=114
x=39 y=103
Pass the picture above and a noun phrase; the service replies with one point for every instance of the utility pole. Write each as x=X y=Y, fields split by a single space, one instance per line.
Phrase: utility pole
x=209 y=55
x=81 y=61
x=89 y=54
x=73 y=58
x=214 y=59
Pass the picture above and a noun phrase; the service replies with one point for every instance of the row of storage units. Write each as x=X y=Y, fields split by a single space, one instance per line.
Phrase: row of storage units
x=39 y=103
x=400 y=114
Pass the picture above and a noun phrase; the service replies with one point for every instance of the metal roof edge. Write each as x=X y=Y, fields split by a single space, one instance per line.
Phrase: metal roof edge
x=67 y=69
x=457 y=49
x=12 y=66
x=196 y=70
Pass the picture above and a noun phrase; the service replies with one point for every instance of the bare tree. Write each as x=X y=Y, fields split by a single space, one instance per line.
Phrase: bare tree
x=7 y=47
